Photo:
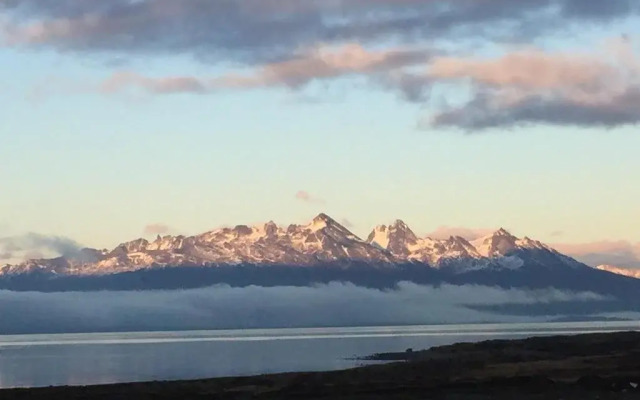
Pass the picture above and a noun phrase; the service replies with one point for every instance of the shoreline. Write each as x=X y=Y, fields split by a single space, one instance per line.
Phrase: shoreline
x=585 y=366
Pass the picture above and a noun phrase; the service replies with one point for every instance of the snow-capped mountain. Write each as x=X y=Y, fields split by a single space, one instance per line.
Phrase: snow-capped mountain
x=321 y=241
x=498 y=249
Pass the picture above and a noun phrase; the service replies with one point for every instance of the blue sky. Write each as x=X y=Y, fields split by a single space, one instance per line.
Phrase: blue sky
x=97 y=162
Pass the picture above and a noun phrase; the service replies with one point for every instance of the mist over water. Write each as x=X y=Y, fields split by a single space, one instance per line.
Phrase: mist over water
x=82 y=359
x=223 y=307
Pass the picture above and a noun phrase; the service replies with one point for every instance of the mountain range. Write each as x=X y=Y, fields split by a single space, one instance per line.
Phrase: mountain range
x=324 y=251
x=321 y=241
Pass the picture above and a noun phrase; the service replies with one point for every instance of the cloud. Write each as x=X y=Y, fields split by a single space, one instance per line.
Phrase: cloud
x=223 y=307
x=318 y=63
x=157 y=229
x=517 y=88
x=34 y=243
x=290 y=44
x=346 y=223
x=169 y=85
x=307 y=197
x=617 y=253
x=599 y=89
x=445 y=232
x=250 y=29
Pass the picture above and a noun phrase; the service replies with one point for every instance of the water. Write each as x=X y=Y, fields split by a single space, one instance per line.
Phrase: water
x=84 y=359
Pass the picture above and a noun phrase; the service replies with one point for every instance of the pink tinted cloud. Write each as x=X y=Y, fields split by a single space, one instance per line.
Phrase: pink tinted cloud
x=529 y=69
x=325 y=62
x=599 y=88
x=167 y=85
x=619 y=253
x=445 y=232
x=157 y=229
x=306 y=197
x=598 y=247
x=318 y=63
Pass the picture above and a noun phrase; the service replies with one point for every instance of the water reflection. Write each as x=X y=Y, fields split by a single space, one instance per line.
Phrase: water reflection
x=43 y=360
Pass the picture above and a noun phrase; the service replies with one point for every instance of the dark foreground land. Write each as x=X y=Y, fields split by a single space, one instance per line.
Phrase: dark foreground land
x=595 y=366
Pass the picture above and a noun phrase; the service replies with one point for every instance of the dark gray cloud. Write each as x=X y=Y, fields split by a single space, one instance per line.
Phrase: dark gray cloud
x=35 y=243
x=479 y=114
x=600 y=88
x=258 y=307
x=269 y=29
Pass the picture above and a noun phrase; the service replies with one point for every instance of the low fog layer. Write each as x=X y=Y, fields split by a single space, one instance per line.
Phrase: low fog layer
x=258 y=307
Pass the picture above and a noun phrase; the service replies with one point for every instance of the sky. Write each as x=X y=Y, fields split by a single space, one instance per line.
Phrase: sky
x=140 y=117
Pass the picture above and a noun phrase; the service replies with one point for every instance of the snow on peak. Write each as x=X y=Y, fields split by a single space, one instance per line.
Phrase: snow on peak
x=498 y=243
x=321 y=222
x=379 y=236
x=321 y=240
x=400 y=225
x=396 y=237
x=502 y=232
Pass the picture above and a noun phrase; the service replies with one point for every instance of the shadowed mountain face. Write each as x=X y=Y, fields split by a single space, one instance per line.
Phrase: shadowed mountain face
x=321 y=251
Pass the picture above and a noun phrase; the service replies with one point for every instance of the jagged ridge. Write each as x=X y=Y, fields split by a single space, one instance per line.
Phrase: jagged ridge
x=323 y=240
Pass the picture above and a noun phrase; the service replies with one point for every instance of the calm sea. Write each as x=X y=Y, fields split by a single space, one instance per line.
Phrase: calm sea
x=97 y=358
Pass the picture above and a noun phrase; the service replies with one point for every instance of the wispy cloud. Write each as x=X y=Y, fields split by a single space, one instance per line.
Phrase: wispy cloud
x=306 y=197
x=618 y=253
x=318 y=63
x=157 y=229
x=34 y=243
x=169 y=85
x=445 y=232
x=346 y=223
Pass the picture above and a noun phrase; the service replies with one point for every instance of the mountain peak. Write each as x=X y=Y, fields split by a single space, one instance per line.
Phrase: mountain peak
x=400 y=225
x=502 y=232
x=322 y=217
x=396 y=237
x=321 y=240
x=322 y=220
x=500 y=243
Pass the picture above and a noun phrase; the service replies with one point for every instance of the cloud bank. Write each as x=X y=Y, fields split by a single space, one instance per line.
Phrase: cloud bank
x=260 y=29
x=257 y=307
x=287 y=44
